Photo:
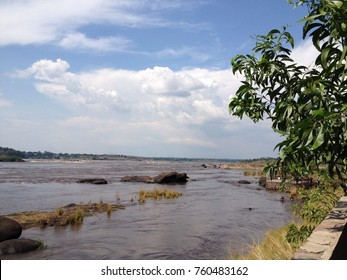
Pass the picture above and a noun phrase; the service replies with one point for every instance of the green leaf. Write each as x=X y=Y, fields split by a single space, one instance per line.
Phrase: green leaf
x=338 y=4
x=319 y=112
x=320 y=138
x=324 y=57
x=310 y=138
x=282 y=154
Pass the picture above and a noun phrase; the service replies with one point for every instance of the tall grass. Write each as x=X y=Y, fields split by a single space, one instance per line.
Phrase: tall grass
x=109 y=209
x=274 y=246
x=74 y=218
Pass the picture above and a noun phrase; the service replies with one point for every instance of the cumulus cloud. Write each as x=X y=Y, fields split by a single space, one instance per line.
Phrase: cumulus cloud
x=54 y=80
x=163 y=81
x=169 y=105
x=189 y=95
x=46 y=70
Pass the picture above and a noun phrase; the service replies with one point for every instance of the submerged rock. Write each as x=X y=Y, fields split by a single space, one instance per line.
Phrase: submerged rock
x=244 y=182
x=95 y=181
x=9 y=229
x=143 y=179
x=18 y=246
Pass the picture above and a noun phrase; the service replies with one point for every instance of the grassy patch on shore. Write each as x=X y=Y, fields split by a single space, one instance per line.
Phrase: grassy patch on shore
x=69 y=215
x=274 y=246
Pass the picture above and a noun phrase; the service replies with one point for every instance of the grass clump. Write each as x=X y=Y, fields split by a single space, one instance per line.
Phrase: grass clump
x=158 y=194
x=109 y=209
x=59 y=212
x=74 y=218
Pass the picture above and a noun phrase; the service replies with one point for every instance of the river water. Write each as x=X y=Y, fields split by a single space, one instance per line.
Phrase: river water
x=210 y=219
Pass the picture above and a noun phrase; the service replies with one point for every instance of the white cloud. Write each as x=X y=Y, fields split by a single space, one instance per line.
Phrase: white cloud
x=163 y=81
x=40 y=22
x=198 y=94
x=53 y=80
x=194 y=53
x=305 y=53
x=80 y=41
x=46 y=70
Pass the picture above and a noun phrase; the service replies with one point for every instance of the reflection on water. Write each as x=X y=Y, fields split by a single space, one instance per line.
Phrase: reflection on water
x=210 y=218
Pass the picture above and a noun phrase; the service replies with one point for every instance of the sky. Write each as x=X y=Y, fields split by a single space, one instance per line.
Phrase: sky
x=134 y=77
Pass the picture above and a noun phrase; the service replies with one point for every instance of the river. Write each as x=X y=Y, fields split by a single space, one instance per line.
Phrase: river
x=210 y=219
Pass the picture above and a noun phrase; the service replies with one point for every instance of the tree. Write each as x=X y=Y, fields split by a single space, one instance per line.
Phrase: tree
x=306 y=105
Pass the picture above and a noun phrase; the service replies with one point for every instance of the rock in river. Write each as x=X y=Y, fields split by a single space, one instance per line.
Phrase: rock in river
x=163 y=178
x=171 y=178
x=143 y=179
x=95 y=181
x=9 y=229
x=18 y=246
x=244 y=182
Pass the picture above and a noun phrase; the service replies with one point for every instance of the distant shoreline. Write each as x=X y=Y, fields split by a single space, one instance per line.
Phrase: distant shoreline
x=11 y=155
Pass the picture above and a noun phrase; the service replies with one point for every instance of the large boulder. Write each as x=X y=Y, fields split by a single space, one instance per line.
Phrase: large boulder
x=18 y=246
x=171 y=178
x=143 y=179
x=9 y=229
x=95 y=181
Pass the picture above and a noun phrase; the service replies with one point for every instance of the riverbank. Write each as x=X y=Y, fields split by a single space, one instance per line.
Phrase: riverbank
x=319 y=230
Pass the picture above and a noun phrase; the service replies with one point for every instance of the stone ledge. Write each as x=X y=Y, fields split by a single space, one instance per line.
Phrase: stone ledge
x=324 y=239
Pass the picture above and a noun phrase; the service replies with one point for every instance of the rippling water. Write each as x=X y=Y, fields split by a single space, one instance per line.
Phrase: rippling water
x=211 y=218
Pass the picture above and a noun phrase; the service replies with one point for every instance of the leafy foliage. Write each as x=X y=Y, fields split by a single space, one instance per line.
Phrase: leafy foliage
x=297 y=234
x=307 y=105
x=318 y=202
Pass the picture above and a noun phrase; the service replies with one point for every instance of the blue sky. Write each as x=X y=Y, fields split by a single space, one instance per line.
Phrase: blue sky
x=134 y=77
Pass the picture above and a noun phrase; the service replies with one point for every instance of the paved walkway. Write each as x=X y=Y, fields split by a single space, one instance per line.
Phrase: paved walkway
x=329 y=239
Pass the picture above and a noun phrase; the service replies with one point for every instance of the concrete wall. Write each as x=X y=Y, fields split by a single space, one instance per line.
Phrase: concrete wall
x=329 y=239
